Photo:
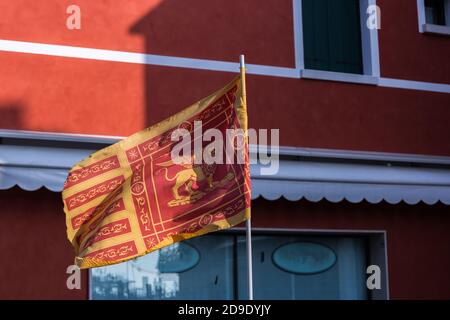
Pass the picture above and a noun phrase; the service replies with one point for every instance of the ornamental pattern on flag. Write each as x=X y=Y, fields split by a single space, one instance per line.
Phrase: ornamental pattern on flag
x=130 y=199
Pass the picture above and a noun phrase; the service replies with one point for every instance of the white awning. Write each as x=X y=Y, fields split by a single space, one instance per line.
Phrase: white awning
x=354 y=183
x=32 y=160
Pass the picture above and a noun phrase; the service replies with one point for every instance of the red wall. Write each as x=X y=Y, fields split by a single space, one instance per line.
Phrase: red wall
x=405 y=53
x=92 y=97
x=59 y=94
x=36 y=253
x=205 y=29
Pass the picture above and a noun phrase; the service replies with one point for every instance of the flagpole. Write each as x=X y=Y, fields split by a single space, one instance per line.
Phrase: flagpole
x=248 y=226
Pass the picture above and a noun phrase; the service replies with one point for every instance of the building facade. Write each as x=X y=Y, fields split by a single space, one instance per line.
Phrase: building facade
x=359 y=90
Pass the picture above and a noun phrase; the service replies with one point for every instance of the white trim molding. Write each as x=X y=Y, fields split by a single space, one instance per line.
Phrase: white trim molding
x=32 y=160
x=369 y=41
x=298 y=34
x=414 y=85
x=436 y=29
x=421 y=14
x=141 y=58
x=339 y=76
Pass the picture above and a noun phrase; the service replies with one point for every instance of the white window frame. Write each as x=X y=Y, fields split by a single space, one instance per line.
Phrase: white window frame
x=370 y=50
x=425 y=27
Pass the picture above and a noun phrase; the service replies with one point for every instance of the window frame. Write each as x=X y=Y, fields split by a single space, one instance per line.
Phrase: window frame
x=430 y=28
x=370 y=50
x=377 y=250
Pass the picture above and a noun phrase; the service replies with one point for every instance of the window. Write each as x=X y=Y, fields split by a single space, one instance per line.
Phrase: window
x=435 y=12
x=344 y=279
x=434 y=16
x=332 y=35
x=334 y=41
x=214 y=267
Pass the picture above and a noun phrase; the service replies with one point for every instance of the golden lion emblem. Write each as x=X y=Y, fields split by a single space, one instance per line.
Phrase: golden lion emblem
x=189 y=177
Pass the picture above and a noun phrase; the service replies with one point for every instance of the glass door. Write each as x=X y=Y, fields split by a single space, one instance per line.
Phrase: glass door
x=311 y=268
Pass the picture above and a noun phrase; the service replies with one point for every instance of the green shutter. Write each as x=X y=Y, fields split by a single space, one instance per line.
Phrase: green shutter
x=315 y=34
x=332 y=36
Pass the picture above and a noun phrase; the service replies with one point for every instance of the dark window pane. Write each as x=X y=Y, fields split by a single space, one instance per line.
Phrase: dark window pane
x=332 y=35
x=202 y=269
x=435 y=12
x=215 y=267
x=341 y=277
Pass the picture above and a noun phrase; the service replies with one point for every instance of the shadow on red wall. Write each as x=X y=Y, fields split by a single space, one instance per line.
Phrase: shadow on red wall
x=11 y=115
x=210 y=29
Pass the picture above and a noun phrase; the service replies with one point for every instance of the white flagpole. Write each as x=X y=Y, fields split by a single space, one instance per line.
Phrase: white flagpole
x=249 y=258
x=248 y=226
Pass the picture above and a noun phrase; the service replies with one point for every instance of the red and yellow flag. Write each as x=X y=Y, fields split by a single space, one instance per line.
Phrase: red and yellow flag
x=130 y=198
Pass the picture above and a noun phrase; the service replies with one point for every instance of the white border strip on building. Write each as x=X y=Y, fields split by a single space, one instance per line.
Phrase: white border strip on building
x=414 y=85
x=298 y=34
x=200 y=64
x=141 y=58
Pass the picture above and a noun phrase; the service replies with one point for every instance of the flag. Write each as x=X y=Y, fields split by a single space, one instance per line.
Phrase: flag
x=132 y=198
